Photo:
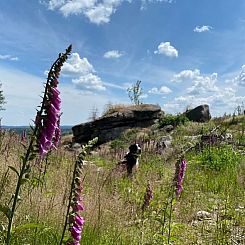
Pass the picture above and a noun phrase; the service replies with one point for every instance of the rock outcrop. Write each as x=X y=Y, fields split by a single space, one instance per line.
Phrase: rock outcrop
x=199 y=114
x=115 y=122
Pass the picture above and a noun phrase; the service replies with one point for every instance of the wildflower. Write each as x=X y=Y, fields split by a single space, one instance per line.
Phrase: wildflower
x=148 y=196
x=48 y=118
x=75 y=220
x=75 y=205
x=179 y=176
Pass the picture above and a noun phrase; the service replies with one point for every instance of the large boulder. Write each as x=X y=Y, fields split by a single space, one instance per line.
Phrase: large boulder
x=199 y=114
x=115 y=122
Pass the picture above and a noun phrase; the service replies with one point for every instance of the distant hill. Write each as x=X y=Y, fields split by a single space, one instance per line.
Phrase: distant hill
x=18 y=129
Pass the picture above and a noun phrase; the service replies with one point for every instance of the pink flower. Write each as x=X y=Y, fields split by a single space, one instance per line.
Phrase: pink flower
x=179 y=176
x=50 y=125
x=78 y=206
x=75 y=220
x=79 y=220
x=76 y=232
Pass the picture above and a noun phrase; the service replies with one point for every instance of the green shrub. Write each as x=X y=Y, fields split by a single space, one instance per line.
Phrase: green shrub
x=219 y=158
x=174 y=120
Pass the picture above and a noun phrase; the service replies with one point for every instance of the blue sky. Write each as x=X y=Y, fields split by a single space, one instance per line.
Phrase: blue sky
x=185 y=52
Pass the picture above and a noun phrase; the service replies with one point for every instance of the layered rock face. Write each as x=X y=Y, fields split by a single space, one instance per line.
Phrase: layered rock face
x=199 y=114
x=115 y=122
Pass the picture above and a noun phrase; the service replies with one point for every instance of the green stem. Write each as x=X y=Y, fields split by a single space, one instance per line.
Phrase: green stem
x=164 y=214
x=170 y=216
x=23 y=168
x=69 y=203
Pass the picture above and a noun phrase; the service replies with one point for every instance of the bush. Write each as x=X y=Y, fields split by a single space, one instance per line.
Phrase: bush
x=174 y=120
x=219 y=158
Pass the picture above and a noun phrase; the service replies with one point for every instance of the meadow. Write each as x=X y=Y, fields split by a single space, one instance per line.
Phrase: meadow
x=210 y=209
x=190 y=192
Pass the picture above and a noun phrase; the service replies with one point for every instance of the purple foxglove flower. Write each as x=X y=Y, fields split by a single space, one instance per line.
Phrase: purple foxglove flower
x=78 y=206
x=56 y=138
x=49 y=126
x=79 y=220
x=180 y=173
x=76 y=233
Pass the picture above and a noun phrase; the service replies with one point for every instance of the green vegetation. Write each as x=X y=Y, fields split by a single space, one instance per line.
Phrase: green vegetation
x=2 y=98
x=210 y=209
x=173 y=120
x=135 y=92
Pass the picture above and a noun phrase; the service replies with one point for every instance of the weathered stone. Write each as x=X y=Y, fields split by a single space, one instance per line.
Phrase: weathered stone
x=202 y=215
x=113 y=124
x=199 y=114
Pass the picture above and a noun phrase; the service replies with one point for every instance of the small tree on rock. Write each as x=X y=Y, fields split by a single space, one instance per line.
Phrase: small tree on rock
x=2 y=98
x=135 y=92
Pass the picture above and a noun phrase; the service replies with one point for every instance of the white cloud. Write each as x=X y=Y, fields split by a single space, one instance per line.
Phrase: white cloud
x=161 y=90
x=101 y=13
x=166 y=49
x=96 y=11
x=90 y=82
x=8 y=57
x=76 y=66
x=205 y=89
x=83 y=73
x=201 y=83
x=113 y=54
x=84 y=76
x=200 y=29
x=240 y=79
x=53 y=4
x=186 y=75
x=21 y=105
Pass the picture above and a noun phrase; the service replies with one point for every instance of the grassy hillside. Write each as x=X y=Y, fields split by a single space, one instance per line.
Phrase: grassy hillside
x=209 y=210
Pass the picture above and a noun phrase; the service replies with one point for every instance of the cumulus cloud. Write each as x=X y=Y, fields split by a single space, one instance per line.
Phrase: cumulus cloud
x=206 y=89
x=77 y=66
x=186 y=75
x=89 y=81
x=240 y=79
x=161 y=90
x=96 y=11
x=200 y=29
x=113 y=54
x=83 y=73
x=8 y=57
x=165 y=48
x=201 y=83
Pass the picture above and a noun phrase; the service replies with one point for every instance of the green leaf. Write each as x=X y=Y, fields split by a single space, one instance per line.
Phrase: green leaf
x=5 y=210
x=160 y=220
x=14 y=169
